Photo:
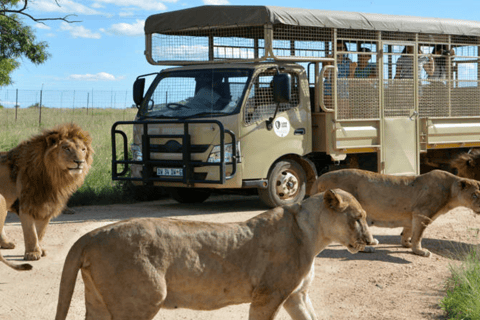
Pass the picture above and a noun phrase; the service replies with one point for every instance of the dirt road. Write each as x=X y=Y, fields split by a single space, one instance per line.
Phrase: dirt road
x=389 y=284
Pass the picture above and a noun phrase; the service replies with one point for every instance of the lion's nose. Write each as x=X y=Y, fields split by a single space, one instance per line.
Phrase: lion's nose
x=79 y=163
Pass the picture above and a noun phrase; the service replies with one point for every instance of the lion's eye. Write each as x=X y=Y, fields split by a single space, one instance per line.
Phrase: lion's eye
x=474 y=196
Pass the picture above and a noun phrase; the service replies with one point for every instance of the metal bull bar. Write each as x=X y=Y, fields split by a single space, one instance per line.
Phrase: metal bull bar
x=187 y=164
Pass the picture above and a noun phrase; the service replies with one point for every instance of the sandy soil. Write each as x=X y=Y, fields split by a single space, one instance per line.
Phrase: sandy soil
x=390 y=284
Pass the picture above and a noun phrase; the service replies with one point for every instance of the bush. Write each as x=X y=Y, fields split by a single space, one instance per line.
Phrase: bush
x=36 y=106
x=463 y=289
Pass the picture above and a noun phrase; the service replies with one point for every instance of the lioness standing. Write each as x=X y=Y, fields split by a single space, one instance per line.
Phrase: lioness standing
x=411 y=202
x=133 y=268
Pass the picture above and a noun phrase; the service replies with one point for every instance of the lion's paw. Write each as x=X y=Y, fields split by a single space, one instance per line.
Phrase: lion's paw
x=424 y=253
x=407 y=244
x=374 y=242
x=369 y=249
x=32 y=256
x=7 y=245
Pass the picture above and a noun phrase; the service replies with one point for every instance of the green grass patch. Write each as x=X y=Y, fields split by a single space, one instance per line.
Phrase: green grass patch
x=98 y=187
x=462 y=300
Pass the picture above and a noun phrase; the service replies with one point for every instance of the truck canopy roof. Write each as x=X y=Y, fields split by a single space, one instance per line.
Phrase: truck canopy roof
x=243 y=16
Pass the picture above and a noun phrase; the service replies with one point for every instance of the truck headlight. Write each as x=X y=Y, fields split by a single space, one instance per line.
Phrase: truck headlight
x=136 y=152
x=215 y=153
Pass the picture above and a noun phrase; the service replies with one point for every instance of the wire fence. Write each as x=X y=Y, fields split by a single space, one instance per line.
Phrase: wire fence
x=21 y=105
x=63 y=99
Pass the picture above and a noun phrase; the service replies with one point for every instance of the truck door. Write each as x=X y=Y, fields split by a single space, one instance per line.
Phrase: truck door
x=400 y=144
x=290 y=132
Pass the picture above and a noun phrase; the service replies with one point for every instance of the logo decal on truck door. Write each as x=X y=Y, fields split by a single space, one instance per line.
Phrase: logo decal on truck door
x=281 y=126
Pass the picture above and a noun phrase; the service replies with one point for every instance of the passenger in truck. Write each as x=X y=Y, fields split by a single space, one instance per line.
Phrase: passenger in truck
x=346 y=69
x=405 y=64
x=364 y=68
x=441 y=62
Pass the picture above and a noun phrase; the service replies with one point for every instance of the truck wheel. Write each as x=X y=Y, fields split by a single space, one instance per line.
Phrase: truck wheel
x=286 y=184
x=189 y=195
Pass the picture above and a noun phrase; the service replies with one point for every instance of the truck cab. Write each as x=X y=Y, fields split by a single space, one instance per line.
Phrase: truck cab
x=245 y=111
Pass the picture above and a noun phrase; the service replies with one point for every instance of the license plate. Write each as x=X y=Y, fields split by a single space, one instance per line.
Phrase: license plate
x=170 y=172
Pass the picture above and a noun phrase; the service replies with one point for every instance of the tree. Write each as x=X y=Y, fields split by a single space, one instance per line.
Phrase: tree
x=18 y=40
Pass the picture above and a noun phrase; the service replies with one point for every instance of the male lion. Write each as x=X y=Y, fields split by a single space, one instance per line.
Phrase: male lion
x=411 y=202
x=38 y=176
x=133 y=268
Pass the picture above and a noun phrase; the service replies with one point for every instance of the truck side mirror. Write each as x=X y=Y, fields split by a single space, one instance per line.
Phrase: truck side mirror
x=138 y=89
x=282 y=84
x=282 y=87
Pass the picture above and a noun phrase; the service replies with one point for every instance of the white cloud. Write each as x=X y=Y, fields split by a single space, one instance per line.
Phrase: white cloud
x=78 y=31
x=101 y=76
x=126 y=14
x=216 y=2
x=126 y=29
x=153 y=5
x=64 y=6
x=42 y=26
x=97 y=5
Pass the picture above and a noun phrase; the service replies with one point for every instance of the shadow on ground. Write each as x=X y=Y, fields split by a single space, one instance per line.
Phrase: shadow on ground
x=446 y=248
x=160 y=208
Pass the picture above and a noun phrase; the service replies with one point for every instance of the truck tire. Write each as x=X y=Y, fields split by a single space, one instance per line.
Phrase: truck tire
x=189 y=195
x=286 y=184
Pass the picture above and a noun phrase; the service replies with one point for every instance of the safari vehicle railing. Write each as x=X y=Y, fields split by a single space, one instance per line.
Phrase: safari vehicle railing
x=186 y=164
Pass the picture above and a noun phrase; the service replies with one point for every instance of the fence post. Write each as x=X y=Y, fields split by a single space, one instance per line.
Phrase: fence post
x=40 y=108
x=92 y=102
x=16 y=105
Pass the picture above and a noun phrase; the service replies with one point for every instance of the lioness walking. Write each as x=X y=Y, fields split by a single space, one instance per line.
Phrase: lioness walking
x=411 y=202
x=133 y=268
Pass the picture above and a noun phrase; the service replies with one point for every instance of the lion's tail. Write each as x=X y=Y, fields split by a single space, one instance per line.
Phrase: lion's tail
x=19 y=267
x=72 y=265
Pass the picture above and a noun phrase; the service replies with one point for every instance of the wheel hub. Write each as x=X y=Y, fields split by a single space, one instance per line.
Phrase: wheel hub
x=287 y=185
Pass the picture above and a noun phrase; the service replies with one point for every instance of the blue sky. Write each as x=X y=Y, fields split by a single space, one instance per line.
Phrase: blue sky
x=105 y=50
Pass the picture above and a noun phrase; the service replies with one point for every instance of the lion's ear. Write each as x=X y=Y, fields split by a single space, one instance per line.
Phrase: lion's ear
x=332 y=200
x=52 y=139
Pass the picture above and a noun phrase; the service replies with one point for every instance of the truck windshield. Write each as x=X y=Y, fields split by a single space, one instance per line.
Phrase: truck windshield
x=197 y=93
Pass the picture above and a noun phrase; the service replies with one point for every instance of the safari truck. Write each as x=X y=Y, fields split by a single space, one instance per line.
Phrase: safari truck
x=265 y=99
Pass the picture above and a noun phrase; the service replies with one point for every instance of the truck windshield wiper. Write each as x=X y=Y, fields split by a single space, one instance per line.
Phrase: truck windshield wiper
x=206 y=113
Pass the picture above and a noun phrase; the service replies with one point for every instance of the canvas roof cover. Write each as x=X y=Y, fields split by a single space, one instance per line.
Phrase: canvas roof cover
x=228 y=16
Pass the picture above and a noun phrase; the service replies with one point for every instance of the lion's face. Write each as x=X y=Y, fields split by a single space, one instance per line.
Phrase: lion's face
x=469 y=194
x=69 y=151
x=71 y=155
x=348 y=224
x=467 y=165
